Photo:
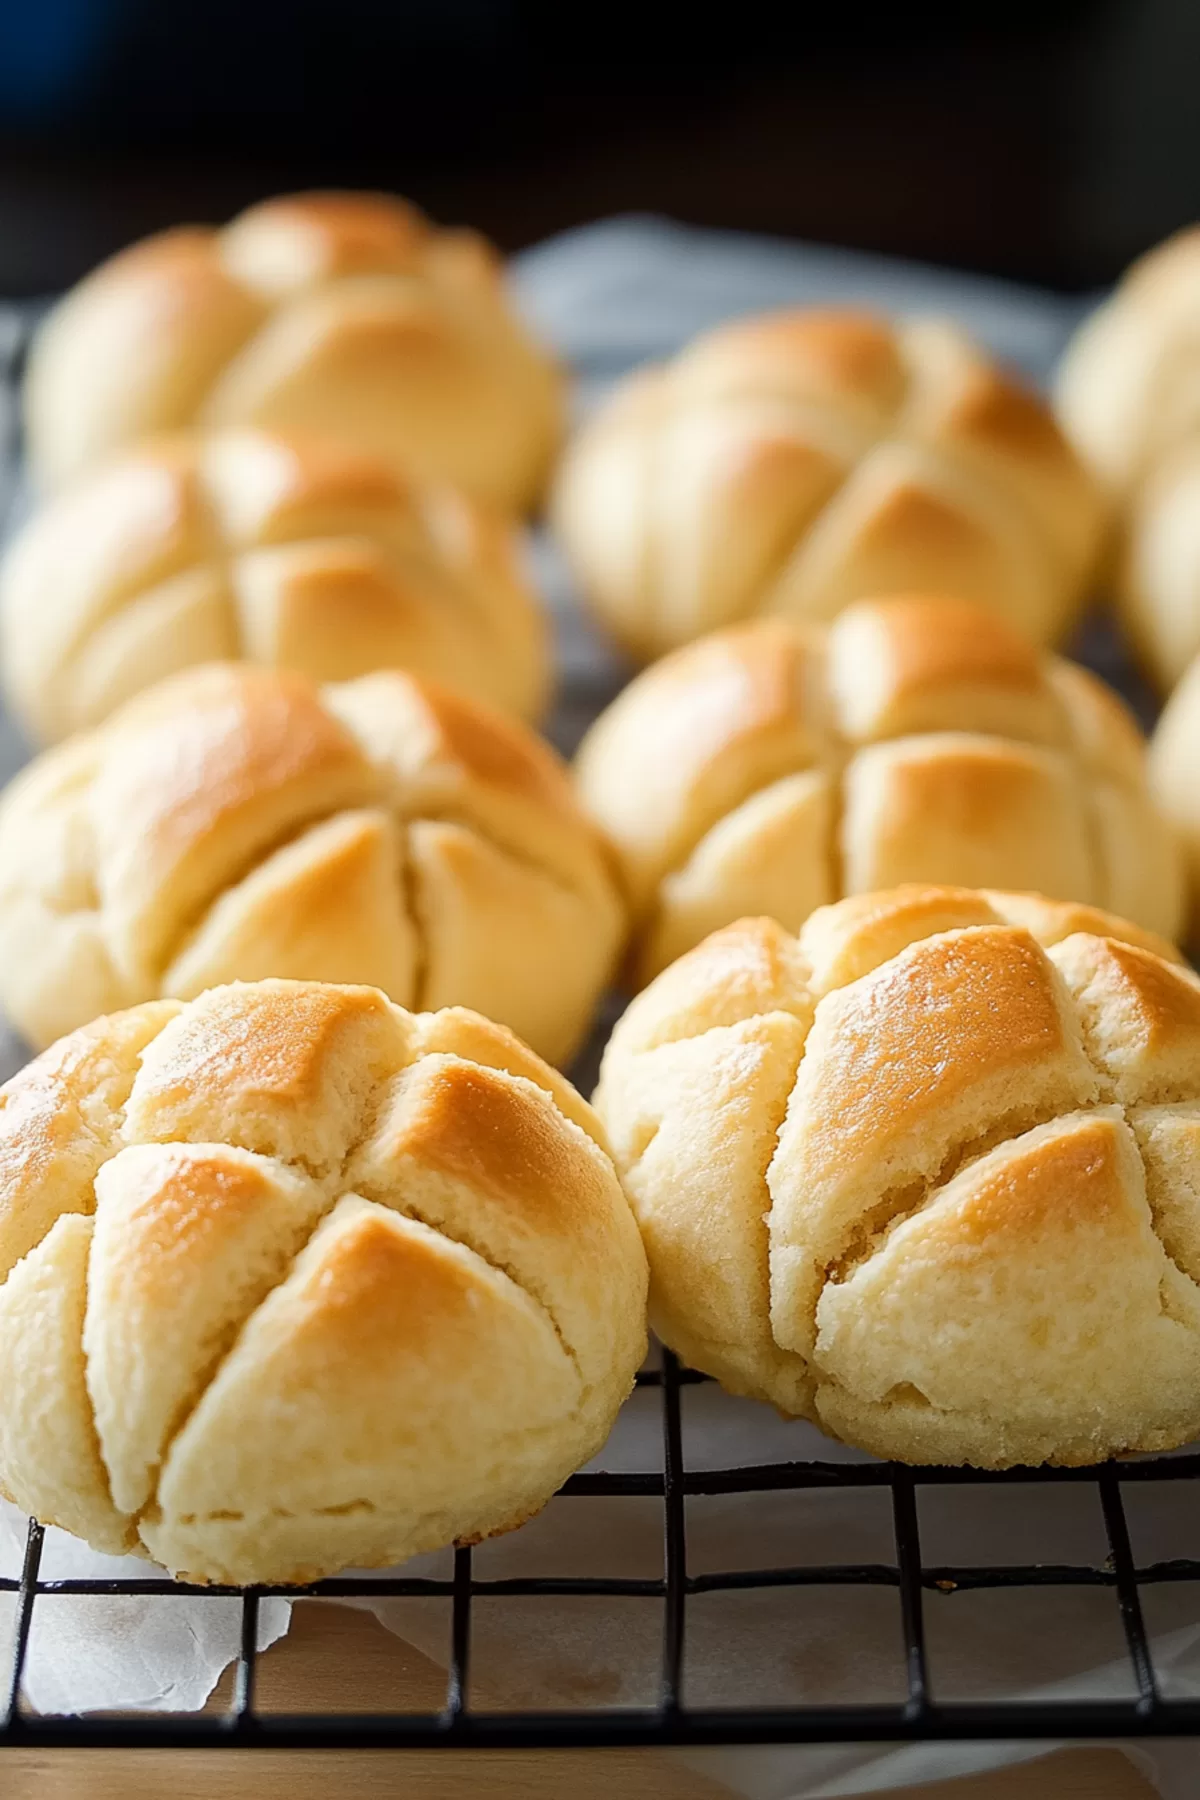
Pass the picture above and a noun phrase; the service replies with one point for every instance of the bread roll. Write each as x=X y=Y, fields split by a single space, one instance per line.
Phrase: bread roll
x=774 y=767
x=929 y=1174
x=291 y=1279
x=1157 y=569
x=795 y=462
x=234 y=823
x=1175 y=780
x=1128 y=390
x=341 y=313
x=280 y=550
x=1129 y=396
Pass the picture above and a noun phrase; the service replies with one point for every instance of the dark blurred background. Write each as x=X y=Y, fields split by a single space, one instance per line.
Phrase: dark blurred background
x=1048 y=142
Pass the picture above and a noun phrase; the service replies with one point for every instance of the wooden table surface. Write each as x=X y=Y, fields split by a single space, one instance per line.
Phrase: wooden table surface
x=346 y=1661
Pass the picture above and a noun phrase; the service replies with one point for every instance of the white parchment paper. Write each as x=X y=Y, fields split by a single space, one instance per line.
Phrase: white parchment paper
x=91 y=1653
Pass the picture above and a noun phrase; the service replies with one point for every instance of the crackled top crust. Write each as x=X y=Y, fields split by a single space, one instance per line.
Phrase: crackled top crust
x=276 y=549
x=774 y=767
x=291 y=1278
x=793 y=462
x=236 y=822
x=929 y=1173
x=346 y=314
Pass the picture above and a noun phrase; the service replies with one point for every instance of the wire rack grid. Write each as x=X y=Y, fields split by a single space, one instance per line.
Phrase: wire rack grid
x=671 y=1721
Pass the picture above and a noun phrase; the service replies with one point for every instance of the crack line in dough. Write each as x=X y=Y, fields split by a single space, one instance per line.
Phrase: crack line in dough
x=334 y=1191
x=186 y=932
x=895 y=1204
x=1141 y=1155
x=521 y=855
x=870 y=1238
x=807 y=411
x=408 y=894
x=92 y=1427
x=188 y=927
x=408 y=1210
x=206 y=1376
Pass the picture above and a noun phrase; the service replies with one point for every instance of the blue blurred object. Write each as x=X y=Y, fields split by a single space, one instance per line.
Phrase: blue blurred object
x=109 y=63
x=46 y=49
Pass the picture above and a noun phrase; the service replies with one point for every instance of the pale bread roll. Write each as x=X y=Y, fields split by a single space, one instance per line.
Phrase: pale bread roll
x=1128 y=394
x=1175 y=780
x=346 y=314
x=235 y=822
x=285 y=551
x=774 y=767
x=1157 y=569
x=291 y=1279
x=1128 y=390
x=928 y=1174
x=794 y=462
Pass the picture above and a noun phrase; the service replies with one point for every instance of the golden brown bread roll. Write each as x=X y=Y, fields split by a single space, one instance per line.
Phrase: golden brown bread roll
x=774 y=767
x=288 y=551
x=341 y=313
x=797 y=461
x=1157 y=568
x=928 y=1174
x=1175 y=780
x=236 y=822
x=1129 y=395
x=1128 y=390
x=292 y=1279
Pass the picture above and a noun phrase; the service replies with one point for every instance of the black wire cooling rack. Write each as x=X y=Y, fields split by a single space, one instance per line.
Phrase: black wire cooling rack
x=670 y=1721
